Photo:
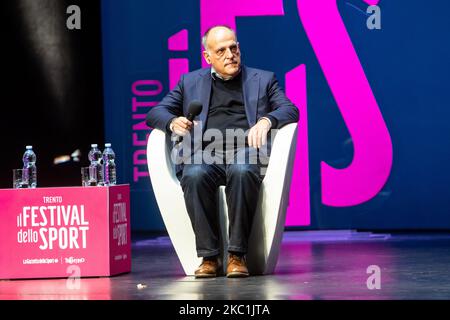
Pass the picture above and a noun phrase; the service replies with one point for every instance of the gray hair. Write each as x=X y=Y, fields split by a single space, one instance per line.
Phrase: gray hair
x=205 y=36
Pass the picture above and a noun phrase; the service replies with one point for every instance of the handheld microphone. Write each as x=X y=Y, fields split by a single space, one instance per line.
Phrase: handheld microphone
x=194 y=109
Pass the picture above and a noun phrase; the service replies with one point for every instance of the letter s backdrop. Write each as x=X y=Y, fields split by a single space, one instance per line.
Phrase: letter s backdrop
x=370 y=78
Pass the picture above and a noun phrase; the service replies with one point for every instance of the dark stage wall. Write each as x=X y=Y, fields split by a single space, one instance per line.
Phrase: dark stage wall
x=51 y=93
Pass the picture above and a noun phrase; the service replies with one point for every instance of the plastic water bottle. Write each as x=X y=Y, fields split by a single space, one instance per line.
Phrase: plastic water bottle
x=109 y=165
x=95 y=157
x=29 y=165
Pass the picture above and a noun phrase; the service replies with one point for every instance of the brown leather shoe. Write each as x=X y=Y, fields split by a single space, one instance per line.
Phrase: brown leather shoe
x=237 y=266
x=208 y=269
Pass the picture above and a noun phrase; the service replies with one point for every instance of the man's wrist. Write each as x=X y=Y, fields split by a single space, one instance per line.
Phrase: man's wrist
x=268 y=120
x=171 y=124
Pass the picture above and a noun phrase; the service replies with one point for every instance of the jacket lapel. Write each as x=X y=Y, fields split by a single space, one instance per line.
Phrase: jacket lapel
x=250 y=88
x=204 y=94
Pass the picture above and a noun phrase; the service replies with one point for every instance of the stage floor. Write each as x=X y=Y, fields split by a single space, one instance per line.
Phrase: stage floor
x=312 y=265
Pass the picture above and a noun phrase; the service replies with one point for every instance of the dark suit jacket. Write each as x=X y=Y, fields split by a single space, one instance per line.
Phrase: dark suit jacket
x=262 y=97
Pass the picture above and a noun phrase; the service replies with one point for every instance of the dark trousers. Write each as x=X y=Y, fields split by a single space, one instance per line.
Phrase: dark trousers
x=200 y=184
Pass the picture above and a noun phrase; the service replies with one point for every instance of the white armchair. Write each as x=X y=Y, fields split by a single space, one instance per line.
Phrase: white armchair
x=268 y=225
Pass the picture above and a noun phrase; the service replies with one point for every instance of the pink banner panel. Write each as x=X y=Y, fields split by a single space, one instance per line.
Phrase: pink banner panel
x=63 y=232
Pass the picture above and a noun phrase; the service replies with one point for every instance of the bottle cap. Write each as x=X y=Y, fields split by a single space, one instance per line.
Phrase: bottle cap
x=94 y=145
x=29 y=147
x=108 y=145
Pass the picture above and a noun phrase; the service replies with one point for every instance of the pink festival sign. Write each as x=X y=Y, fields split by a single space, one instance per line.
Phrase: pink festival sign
x=64 y=232
x=372 y=160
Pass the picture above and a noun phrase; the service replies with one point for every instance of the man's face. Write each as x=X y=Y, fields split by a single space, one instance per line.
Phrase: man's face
x=223 y=52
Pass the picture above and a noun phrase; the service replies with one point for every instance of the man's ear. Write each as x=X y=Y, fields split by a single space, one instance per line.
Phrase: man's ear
x=206 y=56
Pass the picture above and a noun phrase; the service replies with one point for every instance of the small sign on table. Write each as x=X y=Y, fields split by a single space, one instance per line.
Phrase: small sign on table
x=54 y=232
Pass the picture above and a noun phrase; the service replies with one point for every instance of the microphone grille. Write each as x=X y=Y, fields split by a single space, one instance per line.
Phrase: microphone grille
x=195 y=107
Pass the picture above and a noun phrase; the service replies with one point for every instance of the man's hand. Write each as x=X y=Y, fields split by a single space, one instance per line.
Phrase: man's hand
x=257 y=137
x=181 y=126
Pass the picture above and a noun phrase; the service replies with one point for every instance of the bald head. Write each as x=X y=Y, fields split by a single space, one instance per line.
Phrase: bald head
x=222 y=50
x=217 y=31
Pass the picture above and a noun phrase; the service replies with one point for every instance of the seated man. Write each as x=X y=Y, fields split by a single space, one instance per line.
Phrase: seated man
x=236 y=98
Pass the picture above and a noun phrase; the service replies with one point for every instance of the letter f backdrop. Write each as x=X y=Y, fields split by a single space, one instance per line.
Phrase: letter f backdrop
x=370 y=79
